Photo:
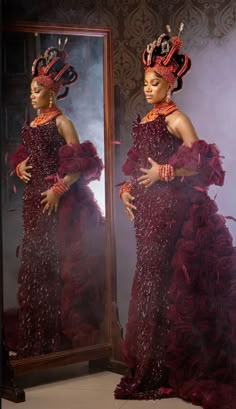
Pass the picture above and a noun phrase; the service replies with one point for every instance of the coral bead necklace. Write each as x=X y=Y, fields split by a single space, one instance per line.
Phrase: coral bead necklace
x=46 y=115
x=163 y=108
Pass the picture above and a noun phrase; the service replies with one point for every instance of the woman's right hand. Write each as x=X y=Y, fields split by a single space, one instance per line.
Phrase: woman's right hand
x=128 y=199
x=24 y=170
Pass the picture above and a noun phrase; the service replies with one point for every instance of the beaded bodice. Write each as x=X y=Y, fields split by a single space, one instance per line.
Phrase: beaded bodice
x=152 y=139
x=43 y=143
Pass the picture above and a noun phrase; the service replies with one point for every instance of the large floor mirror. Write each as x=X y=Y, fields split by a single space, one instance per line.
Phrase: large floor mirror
x=88 y=331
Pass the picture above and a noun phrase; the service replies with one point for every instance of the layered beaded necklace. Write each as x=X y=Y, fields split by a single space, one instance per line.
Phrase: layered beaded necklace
x=46 y=115
x=163 y=108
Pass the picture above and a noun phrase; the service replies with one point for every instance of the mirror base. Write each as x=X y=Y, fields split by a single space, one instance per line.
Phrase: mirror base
x=12 y=393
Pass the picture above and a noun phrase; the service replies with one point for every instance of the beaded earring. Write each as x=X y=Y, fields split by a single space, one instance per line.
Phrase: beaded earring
x=168 y=96
x=50 y=102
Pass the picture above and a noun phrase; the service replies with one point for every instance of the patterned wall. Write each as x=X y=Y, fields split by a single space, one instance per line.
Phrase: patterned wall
x=134 y=23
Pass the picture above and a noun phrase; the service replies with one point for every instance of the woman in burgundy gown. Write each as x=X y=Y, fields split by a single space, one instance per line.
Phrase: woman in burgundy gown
x=61 y=279
x=181 y=331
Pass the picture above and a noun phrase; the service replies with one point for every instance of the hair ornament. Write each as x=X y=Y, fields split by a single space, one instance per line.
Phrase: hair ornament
x=52 y=70
x=163 y=56
x=181 y=27
x=168 y=30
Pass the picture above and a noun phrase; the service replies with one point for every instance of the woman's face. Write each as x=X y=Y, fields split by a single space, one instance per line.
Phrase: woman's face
x=155 y=87
x=40 y=95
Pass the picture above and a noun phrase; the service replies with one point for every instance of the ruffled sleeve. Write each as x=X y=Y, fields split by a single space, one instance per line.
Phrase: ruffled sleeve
x=81 y=158
x=130 y=166
x=18 y=156
x=203 y=158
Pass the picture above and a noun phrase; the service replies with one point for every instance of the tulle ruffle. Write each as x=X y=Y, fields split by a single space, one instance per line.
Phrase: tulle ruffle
x=81 y=233
x=130 y=166
x=201 y=351
x=81 y=158
x=18 y=156
x=202 y=158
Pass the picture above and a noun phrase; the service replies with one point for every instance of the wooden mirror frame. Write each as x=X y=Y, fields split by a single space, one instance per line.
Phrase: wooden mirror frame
x=110 y=351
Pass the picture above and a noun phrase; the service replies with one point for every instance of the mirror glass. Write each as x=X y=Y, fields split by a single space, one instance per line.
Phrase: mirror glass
x=54 y=279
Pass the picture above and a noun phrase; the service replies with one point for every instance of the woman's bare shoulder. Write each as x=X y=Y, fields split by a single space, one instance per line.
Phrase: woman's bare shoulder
x=63 y=119
x=67 y=129
x=180 y=125
x=178 y=116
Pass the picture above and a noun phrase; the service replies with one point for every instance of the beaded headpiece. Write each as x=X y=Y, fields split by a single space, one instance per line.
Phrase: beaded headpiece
x=162 y=56
x=51 y=70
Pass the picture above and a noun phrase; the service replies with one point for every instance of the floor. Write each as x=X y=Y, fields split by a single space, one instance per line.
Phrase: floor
x=88 y=391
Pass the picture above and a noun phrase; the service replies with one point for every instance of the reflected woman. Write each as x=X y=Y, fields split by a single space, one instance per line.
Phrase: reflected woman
x=181 y=331
x=61 y=279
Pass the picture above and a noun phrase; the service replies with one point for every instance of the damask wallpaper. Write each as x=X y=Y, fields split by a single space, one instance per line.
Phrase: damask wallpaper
x=208 y=96
x=134 y=24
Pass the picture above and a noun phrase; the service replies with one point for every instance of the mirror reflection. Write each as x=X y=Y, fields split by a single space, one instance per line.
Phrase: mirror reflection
x=53 y=202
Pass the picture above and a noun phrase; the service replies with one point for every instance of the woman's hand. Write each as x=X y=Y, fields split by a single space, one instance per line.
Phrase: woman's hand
x=50 y=201
x=127 y=199
x=151 y=175
x=24 y=170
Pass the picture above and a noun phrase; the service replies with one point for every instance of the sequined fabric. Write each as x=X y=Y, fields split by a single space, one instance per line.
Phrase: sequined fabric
x=169 y=333
x=156 y=228
x=39 y=275
x=58 y=273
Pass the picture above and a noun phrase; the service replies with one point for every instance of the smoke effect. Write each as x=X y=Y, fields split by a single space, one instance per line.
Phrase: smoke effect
x=85 y=103
x=208 y=99
x=89 y=120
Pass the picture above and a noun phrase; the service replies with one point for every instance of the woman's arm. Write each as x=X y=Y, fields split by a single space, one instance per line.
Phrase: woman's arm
x=66 y=129
x=50 y=198
x=180 y=126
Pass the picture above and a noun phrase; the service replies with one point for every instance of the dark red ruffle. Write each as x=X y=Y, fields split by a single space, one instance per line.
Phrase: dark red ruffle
x=130 y=165
x=201 y=349
x=81 y=158
x=82 y=267
x=18 y=156
x=203 y=158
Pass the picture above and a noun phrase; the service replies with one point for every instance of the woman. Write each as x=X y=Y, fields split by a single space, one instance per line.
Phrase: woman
x=181 y=331
x=61 y=279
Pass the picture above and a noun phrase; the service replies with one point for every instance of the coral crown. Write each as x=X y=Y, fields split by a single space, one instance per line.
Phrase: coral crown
x=162 y=56
x=51 y=70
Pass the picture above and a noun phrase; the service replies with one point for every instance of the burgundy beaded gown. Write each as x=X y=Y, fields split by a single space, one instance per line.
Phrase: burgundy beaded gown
x=181 y=331
x=62 y=274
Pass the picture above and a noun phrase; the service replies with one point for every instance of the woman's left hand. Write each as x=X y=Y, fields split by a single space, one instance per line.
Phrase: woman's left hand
x=151 y=175
x=50 y=201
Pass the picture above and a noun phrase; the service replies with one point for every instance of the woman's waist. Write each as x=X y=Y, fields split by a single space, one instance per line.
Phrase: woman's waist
x=40 y=172
x=40 y=181
x=158 y=185
x=133 y=168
